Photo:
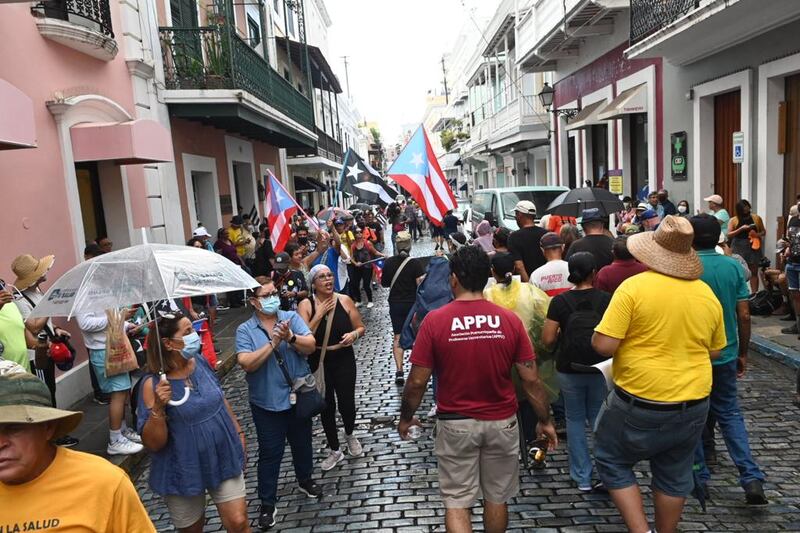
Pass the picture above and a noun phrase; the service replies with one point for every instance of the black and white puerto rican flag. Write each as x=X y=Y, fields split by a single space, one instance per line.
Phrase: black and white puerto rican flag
x=361 y=180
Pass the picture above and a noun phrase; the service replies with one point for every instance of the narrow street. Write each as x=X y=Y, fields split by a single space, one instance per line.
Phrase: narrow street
x=393 y=486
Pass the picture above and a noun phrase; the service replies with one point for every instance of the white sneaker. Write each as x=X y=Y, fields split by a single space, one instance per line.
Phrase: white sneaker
x=332 y=460
x=432 y=412
x=123 y=446
x=131 y=435
x=370 y=305
x=354 y=448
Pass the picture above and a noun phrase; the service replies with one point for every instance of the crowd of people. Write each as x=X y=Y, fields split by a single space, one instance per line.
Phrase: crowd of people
x=512 y=350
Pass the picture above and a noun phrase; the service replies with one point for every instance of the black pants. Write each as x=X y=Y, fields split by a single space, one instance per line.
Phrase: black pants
x=48 y=375
x=412 y=228
x=358 y=277
x=340 y=386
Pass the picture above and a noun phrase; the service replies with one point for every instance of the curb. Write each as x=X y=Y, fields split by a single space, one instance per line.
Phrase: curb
x=129 y=463
x=782 y=354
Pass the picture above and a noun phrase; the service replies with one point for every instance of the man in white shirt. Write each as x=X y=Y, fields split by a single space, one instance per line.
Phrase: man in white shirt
x=552 y=276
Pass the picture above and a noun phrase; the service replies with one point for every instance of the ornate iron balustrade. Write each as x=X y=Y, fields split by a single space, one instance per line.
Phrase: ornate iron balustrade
x=94 y=14
x=649 y=16
x=328 y=147
x=216 y=57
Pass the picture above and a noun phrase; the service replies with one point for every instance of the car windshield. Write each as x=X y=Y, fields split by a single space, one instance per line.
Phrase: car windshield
x=541 y=199
x=461 y=206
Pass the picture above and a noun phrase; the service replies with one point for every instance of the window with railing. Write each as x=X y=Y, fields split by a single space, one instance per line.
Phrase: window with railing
x=92 y=14
x=649 y=16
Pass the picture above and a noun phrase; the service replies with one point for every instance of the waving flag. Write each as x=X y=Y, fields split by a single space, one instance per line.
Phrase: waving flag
x=417 y=171
x=281 y=207
x=361 y=180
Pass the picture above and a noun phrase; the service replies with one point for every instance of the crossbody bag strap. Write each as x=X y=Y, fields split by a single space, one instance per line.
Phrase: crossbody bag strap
x=319 y=375
x=50 y=332
x=397 y=274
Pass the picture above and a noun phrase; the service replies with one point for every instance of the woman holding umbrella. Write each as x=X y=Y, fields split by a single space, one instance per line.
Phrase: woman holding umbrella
x=197 y=447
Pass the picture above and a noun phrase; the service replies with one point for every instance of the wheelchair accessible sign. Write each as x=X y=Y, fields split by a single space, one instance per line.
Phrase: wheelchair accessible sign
x=738 y=146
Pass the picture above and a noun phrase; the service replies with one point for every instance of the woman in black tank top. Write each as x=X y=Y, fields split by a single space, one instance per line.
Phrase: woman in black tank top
x=339 y=363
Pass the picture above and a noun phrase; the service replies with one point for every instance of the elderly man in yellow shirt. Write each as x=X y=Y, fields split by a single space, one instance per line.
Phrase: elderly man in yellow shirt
x=662 y=349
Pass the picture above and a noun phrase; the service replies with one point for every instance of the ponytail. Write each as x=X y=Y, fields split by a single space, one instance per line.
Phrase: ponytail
x=508 y=278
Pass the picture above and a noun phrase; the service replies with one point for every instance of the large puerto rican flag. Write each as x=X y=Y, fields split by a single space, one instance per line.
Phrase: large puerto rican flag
x=417 y=170
x=281 y=207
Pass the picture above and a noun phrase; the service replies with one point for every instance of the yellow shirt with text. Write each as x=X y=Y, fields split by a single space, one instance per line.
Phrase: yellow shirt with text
x=667 y=326
x=235 y=235
x=77 y=492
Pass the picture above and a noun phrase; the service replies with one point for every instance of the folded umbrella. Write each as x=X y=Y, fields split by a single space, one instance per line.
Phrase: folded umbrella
x=572 y=203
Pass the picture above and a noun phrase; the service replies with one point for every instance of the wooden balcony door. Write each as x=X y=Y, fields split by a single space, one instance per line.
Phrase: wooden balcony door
x=727 y=119
x=791 y=157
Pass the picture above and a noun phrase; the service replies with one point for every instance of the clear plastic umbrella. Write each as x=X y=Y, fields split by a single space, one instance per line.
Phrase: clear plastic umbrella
x=139 y=274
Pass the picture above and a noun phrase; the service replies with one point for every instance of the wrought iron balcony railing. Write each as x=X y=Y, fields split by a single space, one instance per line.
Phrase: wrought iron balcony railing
x=93 y=14
x=649 y=16
x=215 y=57
x=328 y=147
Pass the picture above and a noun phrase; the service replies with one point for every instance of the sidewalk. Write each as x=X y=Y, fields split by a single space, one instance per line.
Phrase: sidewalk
x=768 y=340
x=93 y=431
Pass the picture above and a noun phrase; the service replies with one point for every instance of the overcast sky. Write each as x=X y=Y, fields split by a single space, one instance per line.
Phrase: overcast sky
x=395 y=50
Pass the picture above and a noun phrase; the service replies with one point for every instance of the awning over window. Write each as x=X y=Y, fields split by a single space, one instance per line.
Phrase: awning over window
x=308 y=185
x=17 y=126
x=464 y=186
x=125 y=143
x=586 y=117
x=321 y=187
x=633 y=100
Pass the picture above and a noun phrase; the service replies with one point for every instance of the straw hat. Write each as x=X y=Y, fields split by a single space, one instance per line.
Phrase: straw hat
x=668 y=250
x=28 y=269
x=25 y=399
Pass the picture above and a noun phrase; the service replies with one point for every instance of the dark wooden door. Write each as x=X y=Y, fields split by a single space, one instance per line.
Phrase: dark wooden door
x=791 y=158
x=727 y=119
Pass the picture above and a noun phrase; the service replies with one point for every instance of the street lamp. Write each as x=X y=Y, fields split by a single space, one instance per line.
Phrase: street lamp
x=546 y=98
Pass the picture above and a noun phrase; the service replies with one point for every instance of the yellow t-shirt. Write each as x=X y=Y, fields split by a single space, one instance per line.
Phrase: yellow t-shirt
x=667 y=326
x=234 y=235
x=77 y=492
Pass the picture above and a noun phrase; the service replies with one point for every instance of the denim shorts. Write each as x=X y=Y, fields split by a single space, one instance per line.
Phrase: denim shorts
x=793 y=276
x=108 y=384
x=625 y=435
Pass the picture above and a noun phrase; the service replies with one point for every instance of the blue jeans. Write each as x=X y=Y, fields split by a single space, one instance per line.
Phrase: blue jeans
x=273 y=428
x=724 y=407
x=583 y=396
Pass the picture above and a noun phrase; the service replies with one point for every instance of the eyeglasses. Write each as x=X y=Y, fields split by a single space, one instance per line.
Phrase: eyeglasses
x=267 y=295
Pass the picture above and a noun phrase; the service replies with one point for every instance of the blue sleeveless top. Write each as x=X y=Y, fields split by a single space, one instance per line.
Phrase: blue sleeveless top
x=203 y=448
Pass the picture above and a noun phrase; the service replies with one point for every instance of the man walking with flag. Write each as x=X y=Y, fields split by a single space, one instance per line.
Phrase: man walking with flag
x=281 y=209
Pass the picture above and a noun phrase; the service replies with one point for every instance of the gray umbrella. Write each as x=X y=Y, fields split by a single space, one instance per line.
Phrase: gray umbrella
x=572 y=203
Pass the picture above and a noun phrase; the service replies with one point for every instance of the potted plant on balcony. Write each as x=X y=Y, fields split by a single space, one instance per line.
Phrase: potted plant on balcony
x=215 y=46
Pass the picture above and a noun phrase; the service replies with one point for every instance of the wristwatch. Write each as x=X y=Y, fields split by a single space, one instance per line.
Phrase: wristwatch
x=293 y=339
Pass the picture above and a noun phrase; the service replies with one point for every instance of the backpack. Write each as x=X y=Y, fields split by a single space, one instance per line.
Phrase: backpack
x=764 y=303
x=576 y=334
x=432 y=293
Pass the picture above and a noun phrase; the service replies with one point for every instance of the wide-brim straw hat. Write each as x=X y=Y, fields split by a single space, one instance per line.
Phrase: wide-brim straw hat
x=28 y=269
x=25 y=399
x=668 y=250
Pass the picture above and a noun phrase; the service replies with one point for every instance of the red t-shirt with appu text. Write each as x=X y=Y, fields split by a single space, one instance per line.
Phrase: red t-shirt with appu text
x=471 y=345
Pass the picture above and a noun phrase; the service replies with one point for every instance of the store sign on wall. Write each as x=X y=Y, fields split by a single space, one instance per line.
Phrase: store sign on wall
x=679 y=162
x=615 y=181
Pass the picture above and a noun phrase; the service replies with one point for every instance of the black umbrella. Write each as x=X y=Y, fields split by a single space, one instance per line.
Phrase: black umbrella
x=572 y=203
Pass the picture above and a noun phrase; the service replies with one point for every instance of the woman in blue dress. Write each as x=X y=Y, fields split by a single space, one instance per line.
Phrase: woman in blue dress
x=196 y=447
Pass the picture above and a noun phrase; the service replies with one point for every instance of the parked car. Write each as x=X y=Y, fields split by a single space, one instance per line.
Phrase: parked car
x=499 y=204
x=464 y=214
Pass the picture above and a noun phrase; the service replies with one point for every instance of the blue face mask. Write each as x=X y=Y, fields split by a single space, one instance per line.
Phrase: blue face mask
x=191 y=345
x=270 y=304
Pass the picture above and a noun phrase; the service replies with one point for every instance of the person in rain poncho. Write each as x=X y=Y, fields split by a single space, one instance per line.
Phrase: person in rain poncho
x=530 y=304
x=485 y=237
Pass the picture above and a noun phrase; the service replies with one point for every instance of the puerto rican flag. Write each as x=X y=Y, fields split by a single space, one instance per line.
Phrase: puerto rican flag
x=417 y=170
x=281 y=207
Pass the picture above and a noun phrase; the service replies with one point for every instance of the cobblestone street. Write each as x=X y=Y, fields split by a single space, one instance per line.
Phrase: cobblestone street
x=393 y=486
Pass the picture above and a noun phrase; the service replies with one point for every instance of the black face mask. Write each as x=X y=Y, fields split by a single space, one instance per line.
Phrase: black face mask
x=302 y=240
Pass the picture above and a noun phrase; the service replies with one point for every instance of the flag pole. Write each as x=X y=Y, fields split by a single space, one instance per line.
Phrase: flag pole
x=341 y=177
x=313 y=222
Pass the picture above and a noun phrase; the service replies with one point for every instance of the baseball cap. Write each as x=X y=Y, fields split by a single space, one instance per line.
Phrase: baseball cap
x=716 y=198
x=706 y=230
x=550 y=240
x=647 y=215
x=201 y=231
x=526 y=207
x=591 y=215
x=282 y=261
x=338 y=222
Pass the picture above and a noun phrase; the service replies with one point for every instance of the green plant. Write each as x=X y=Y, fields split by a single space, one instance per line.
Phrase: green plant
x=448 y=139
x=376 y=135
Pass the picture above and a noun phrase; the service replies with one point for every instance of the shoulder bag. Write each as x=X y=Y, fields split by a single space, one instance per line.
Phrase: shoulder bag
x=309 y=402
x=399 y=269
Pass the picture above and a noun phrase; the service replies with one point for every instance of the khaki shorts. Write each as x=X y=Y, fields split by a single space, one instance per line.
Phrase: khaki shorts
x=477 y=458
x=187 y=510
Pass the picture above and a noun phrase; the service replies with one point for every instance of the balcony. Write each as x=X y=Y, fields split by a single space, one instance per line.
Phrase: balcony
x=686 y=31
x=83 y=25
x=326 y=155
x=235 y=87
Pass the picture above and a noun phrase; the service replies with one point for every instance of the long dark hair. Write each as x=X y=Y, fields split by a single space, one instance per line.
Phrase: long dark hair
x=739 y=208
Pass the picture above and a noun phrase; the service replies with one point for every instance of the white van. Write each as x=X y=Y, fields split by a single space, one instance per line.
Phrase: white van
x=499 y=203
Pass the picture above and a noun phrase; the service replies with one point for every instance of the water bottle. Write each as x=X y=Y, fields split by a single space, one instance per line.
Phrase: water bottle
x=538 y=453
x=414 y=432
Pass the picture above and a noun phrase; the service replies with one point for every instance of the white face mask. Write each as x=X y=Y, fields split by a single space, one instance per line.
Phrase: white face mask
x=682 y=209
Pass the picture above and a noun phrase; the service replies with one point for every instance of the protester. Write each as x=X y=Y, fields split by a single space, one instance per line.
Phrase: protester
x=395 y=217
x=623 y=267
x=202 y=234
x=649 y=221
x=571 y=319
x=653 y=387
x=411 y=219
x=269 y=341
x=500 y=240
x=197 y=447
x=524 y=243
x=122 y=440
x=377 y=230
x=450 y=224
x=683 y=209
x=105 y=244
x=473 y=344
x=13 y=334
x=666 y=207
x=595 y=241
x=726 y=279
x=239 y=237
x=98 y=396
x=262 y=265
x=47 y=487
x=568 y=234
x=362 y=253
x=552 y=277
x=31 y=273
x=653 y=203
x=715 y=206
x=746 y=233
x=485 y=237
x=290 y=282
x=336 y=325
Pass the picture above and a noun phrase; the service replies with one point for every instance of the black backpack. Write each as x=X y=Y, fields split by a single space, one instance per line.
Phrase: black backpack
x=576 y=334
x=764 y=303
